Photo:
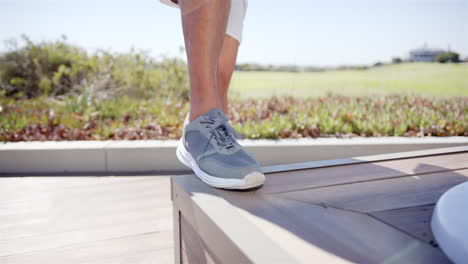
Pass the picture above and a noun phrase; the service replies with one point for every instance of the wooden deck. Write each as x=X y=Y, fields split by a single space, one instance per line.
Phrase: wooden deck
x=106 y=219
x=129 y=219
x=374 y=209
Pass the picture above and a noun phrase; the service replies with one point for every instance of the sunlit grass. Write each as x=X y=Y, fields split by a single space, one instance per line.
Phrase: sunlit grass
x=426 y=79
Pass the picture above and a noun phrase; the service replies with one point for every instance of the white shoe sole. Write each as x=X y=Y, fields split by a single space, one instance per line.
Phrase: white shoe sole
x=251 y=180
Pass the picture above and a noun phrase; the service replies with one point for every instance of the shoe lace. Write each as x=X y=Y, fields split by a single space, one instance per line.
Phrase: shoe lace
x=220 y=131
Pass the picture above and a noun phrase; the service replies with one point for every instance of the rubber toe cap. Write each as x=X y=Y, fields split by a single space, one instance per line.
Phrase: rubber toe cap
x=254 y=178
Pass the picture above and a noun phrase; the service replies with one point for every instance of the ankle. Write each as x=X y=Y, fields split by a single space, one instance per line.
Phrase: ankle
x=224 y=105
x=197 y=110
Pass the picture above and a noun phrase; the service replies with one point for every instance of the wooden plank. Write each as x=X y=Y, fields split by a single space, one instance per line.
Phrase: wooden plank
x=39 y=184
x=327 y=235
x=21 y=223
x=221 y=226
x=280 y=228
x=111 y=229
x=353 y=235
x=193 y=247
x=415 y=221
x=47 y=190
x=382 y=195
x=144 y=248
x=321 y=177
x=83 y=213
x=363 y=159
x=70 y=212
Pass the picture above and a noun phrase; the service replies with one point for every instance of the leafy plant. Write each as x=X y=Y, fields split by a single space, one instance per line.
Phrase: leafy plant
x=448 y=57
x=58 y=68
x=83 y=117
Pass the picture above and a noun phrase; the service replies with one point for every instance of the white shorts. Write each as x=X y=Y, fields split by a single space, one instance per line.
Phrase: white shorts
x=235 y=24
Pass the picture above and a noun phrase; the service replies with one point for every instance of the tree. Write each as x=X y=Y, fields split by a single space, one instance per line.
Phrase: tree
x=396 y=60
x=377 y=64
x=448 y=57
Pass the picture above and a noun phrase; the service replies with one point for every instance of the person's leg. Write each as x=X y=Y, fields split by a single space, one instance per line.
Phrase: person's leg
x=226 y=65
x=204 y=25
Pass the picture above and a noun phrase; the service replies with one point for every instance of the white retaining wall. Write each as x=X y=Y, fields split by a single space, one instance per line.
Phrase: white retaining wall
x=159 y=155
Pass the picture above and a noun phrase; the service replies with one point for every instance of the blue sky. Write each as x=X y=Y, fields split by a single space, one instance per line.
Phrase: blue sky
x=301 y=32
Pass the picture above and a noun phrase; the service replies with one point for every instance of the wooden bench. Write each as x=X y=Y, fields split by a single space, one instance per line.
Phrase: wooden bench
x=373 y=209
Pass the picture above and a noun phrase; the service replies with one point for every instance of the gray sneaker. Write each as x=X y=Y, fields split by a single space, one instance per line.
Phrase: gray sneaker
x=209 y=148
x=236 y=134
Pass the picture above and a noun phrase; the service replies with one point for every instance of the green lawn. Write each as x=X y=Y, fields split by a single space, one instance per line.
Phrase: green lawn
x=419 y=78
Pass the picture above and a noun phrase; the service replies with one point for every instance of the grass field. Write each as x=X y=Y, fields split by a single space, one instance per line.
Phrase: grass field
x=395 y=100
x=411 y=78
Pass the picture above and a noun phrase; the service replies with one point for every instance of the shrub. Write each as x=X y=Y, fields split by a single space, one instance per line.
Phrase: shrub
x=396 y=60
x=448 y=57
x=46 y=68
x=378 y=64
x=58 y=68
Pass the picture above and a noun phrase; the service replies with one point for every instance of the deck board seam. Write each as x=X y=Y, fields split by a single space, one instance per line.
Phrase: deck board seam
x=19 y=254
x=363 y=213
x=403 y=231
x=322 y=204
x=87 y=242
x=364 y=181
x=401 y=208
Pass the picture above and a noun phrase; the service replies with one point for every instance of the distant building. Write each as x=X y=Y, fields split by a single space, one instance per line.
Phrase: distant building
x=424 y=54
